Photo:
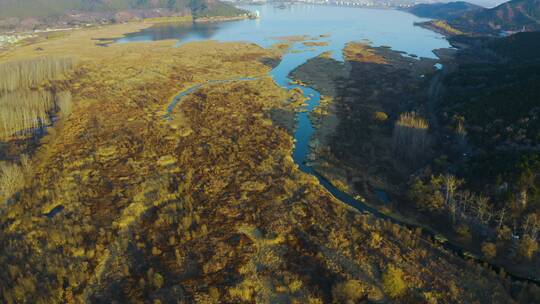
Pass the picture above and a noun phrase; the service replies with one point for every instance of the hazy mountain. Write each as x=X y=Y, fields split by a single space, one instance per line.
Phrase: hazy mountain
x=510 y=16
x=48 y=8
x=515 y=15
x=487 y=3
x=444 y=10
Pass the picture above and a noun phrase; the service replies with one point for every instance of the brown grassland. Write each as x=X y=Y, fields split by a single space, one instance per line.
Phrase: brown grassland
x=122 y=205
x=360 y=52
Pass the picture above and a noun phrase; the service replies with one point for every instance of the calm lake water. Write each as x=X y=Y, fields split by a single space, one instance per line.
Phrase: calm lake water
x=343 y=24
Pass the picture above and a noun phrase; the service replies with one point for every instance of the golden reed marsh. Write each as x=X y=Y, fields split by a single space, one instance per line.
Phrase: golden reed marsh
x=122 y=205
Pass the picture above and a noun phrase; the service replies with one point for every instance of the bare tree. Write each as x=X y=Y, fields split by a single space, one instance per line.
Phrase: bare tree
x=482 y=209
x=451 y=184
x=531 y=226
x=27 y=110
x=500 y=218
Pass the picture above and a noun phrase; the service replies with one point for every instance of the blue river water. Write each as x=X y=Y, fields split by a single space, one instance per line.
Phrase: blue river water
x=334 y=25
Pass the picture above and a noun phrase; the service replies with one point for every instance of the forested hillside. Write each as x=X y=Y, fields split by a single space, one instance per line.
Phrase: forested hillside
x=455 y=18
x=514 y=15
x=490 y=104
x=444 y=10
x=49 y=8
x=461 y=155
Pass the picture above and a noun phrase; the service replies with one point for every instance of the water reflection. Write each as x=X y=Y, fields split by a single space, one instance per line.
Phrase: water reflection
x=381 y=27
x=174 y=31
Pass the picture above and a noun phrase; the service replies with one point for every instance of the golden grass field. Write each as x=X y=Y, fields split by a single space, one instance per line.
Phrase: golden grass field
x=206 y=208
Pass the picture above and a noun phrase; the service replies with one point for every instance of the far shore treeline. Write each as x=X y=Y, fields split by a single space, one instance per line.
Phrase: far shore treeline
x=51 y=8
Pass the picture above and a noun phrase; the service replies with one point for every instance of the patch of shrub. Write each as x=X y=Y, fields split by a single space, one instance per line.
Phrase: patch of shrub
x=349 y=291
x=393 y=283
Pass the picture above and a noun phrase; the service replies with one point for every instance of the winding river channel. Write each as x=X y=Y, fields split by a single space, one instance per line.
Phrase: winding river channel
x=339 y=26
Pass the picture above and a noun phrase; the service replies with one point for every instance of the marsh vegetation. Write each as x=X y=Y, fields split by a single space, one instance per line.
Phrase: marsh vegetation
x=209 y=206
x=410 y=136
x=13 y=177
x=27 y=74
x=27 y=94
x=471 y=178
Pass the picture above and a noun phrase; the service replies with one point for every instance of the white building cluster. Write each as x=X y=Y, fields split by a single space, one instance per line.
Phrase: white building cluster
x=6 y=40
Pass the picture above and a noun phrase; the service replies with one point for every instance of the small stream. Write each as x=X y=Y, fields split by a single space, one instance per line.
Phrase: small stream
x=304 y=129
x=339 y=25
x=304 y=132
x=178 y=98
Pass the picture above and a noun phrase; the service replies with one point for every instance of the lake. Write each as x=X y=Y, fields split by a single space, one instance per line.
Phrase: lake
x=343 y=24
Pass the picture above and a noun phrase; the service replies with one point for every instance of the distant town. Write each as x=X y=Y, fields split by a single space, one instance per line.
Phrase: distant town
x=355 y=3
x=6 y=40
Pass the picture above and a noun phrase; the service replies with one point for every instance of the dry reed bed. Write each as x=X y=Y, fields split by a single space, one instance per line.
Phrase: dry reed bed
x=24 y=106
x=32 y=73
x=12 y=177
x=24 y=110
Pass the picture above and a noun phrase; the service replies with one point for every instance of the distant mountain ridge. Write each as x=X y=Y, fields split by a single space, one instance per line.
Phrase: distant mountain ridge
x=24 y=15
x=49 y=8
x=515 y=15
x=444 y=11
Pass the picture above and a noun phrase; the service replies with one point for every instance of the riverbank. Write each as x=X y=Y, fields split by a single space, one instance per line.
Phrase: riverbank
x=362 y=91
x=368 y=90
x=353 y=143
x=110 y=34
x=440 y=27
